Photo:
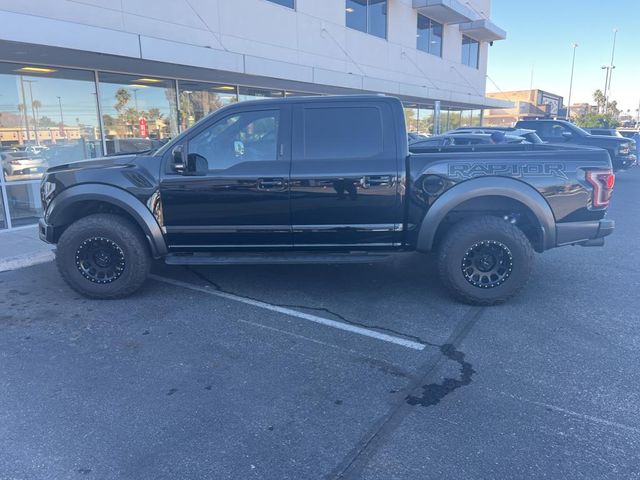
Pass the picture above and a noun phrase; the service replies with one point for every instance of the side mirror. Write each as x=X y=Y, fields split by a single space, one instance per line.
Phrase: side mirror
x=177 y=159
x=567 y=136
x=197 y=165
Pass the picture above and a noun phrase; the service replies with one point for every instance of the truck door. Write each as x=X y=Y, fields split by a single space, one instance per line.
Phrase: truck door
x=241 y=201
x=344 y=176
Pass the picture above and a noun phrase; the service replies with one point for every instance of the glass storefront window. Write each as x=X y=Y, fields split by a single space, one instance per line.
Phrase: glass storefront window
x=411 y=118
x=476 y=118
x=138 y=112
x=3 y=219
x=425 y=121
x=454 y=119
x=198 y=99
x=250 y=93
x=24 y=203
x=48 y=116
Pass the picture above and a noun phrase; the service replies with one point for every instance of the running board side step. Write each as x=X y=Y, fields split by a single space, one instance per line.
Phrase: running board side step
x=285 y=258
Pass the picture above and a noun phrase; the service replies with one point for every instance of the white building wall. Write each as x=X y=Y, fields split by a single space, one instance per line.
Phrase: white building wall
x=310 y=44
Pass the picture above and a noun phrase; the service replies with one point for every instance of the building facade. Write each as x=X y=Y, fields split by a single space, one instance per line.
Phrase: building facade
x=85 y=78
x=527 y=104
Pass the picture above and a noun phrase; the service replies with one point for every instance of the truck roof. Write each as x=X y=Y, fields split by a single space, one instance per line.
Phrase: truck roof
x=320 y=99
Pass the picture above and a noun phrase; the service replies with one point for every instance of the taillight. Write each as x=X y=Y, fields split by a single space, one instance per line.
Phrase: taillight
x=602 y=182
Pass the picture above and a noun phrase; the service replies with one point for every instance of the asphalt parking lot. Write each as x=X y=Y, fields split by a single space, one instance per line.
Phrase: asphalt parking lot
x=303 y=372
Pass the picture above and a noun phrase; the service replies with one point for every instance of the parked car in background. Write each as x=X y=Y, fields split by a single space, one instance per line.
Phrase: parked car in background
x=455 y=139
x=529 y=135
x=36 y=149
x=607 y=132
x=21 y=163
x=621 y=150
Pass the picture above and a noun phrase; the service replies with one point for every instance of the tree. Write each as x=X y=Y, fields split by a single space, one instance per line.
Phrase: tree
x=597 y=120
x=122 y=98
x=600 y=100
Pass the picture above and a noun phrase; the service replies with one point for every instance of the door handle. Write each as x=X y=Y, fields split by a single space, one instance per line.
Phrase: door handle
x=274 y=184
x=377 y=180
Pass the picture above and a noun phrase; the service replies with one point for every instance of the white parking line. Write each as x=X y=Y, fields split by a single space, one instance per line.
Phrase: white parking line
x=294 y=313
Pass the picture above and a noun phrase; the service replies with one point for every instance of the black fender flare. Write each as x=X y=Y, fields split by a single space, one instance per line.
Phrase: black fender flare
x=58 y=211
x=484 y=187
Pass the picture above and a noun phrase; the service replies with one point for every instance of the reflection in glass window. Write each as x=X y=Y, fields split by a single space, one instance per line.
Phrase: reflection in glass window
x=250 y=93
x=3 y=218
x=411 y=118
x=454 y=119
x=48 y=116
x=138 y=112
x=24 y=203
x=355 y=132
x=198 y=99
x=470 y=51
x=368 y=16
x=425 y=121
x=429 y=36
x=240 y=138
x=285 y=3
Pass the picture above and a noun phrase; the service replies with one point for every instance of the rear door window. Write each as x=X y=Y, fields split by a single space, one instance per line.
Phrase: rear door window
x=342 y=132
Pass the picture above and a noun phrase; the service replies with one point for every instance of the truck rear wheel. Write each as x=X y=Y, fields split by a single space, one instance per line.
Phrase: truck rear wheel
x=103 y=256
x=485 y=260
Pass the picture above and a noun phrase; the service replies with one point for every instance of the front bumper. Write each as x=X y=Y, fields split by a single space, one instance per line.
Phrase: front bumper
x=588 y=234
x=624 y=162
x=45 y=232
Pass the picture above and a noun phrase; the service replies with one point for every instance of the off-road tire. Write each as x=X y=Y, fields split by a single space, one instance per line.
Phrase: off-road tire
x=484 y=230
x=123 y=237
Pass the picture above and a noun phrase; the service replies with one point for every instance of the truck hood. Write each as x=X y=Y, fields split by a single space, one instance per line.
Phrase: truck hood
x=103 y=162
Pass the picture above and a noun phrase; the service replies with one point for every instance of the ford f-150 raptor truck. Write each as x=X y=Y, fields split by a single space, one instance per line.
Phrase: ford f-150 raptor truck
x=320 y=180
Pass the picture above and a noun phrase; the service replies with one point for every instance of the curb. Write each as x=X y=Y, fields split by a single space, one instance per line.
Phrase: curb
x=23 y=261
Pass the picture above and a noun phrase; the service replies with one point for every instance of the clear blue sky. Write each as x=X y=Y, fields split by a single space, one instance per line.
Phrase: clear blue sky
x=540 y=34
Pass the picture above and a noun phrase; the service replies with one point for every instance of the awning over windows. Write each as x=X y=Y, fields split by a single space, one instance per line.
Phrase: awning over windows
x=483 y=30
x=445 y=11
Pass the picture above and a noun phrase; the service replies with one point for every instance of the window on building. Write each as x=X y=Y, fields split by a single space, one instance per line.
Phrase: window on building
x=425 y=121
x=250 y=93
x=285 y=3
x=138 y=112
x=240 y=138
x=470 y=52
x=454 y=119
x=411 y=118
x=429 y=36
x=342 y=132
x=48 y=116
x=369 y=16
x=198 y=99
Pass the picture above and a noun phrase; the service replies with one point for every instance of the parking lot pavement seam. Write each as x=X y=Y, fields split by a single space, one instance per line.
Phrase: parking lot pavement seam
x=415 y=338
x=354 y=463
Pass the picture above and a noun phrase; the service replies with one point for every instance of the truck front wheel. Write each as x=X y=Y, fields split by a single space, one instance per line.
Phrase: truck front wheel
x=103 y=256
x=485 y=260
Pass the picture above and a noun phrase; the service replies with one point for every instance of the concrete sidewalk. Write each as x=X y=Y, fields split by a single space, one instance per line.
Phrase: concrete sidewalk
x=21 y=248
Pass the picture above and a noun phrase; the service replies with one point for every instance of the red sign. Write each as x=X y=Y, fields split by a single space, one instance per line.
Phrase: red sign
x=144 y=129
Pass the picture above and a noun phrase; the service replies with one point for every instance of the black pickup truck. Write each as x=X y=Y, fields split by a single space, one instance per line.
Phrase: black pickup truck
x=319 y=180
x=621 y=150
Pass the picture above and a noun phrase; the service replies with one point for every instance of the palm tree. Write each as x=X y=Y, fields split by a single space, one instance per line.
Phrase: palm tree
x=122 y=98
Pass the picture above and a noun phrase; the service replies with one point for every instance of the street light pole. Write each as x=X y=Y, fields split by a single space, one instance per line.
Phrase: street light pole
x=62 y=118
x=33 y=111
x=607 y=86
x=573 y=64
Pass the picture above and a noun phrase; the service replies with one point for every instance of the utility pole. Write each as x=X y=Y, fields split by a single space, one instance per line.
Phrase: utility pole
x=573 y=64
